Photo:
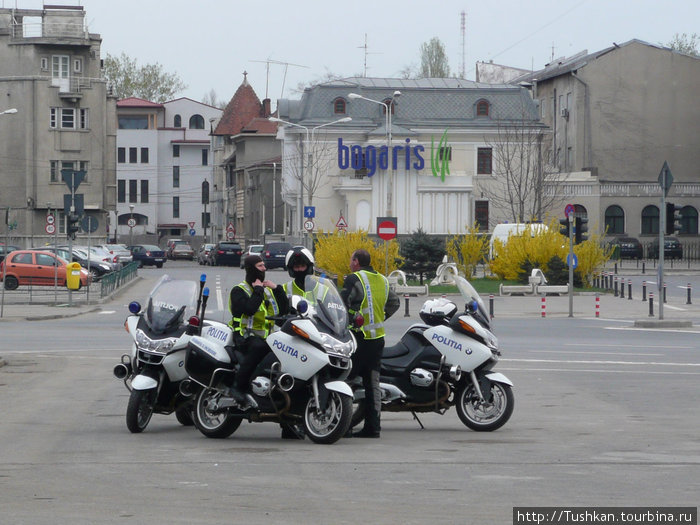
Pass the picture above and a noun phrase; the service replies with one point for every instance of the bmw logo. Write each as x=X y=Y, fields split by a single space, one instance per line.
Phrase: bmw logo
x=303 y=358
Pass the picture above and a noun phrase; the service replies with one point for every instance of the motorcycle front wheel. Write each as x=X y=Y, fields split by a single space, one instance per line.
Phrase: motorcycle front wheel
x=330 y=425
x=211 y=421
x=140 y=409
x=488 y=416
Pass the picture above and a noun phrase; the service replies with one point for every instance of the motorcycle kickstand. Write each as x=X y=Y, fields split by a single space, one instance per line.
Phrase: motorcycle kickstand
x=415 y=416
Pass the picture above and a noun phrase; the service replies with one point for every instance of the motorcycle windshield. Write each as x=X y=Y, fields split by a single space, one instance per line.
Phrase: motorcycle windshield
x=469 y=294
x=171 y=302
x=325 y=304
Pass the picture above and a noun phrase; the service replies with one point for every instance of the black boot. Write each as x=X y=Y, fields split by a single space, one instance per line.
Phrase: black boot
x=290 y=431
x=236 y=393
x=366 y=433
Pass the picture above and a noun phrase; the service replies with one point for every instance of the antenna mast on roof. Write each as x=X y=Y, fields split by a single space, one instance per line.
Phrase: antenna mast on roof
x=366 y=52
x=463 y=71
x=284 y=79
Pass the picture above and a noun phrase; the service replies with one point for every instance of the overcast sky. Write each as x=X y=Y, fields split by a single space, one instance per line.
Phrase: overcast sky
x=209 y=43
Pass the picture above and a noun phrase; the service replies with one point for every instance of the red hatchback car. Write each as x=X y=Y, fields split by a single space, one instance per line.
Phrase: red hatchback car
x=24 y=267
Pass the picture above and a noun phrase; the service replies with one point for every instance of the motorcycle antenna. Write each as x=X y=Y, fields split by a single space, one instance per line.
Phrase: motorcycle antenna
x=205 y=298
x=202 y=281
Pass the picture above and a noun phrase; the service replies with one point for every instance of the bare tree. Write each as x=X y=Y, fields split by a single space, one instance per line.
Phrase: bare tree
x=685 y=43
x=525 y=182
x=317 y=156
x=211 y=99
x=150 y=81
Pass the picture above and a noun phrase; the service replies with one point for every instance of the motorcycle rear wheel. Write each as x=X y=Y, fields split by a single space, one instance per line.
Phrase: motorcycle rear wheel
x=216 y=424
x=329 y=426
x=485 y=417
x=140 y=409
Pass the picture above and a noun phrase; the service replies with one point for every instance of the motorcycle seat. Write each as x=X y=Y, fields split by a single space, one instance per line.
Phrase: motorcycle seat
x=397 y=350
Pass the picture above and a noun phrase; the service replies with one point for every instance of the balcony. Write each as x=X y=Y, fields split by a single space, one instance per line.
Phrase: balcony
x=51 y=33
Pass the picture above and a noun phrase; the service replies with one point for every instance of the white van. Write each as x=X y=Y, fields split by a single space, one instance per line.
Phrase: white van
x=503 y=231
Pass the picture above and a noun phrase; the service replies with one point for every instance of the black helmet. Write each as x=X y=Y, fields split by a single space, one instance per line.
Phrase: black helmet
x=299 y=256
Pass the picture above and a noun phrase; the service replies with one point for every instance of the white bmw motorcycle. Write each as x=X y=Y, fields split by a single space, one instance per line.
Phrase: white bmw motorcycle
x=301 y=382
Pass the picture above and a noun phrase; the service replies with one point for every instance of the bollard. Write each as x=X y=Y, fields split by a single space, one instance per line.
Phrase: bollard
x=597 y=305
x=664 y=293
x=644 y=267
x=544 y=307
x=615 y=268
x=644 y=291
x=651 y=304
x=629 y=289
x=622 y=288
x=406 y=314
x=491 y=305
x=615 y=284
x=688 y=301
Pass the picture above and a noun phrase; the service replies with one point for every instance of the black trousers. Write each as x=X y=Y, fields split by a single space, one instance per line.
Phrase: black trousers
x=366 y=363
x=254 y=349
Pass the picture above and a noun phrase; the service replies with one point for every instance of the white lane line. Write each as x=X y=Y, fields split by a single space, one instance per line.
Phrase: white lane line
x=591 y=352
x=577 y=362
x=600 y=371
x=672 y=330
x=623 y=345
x=678 y=308
x=107 y=312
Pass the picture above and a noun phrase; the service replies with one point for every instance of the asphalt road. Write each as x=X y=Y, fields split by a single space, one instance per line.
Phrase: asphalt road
x=605 y=415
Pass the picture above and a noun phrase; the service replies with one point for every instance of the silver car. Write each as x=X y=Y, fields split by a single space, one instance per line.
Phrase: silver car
x=123 y=254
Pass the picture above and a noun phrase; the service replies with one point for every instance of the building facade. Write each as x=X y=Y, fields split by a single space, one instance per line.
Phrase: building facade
x=418 y=150
x=163 y=160
x=50 y=71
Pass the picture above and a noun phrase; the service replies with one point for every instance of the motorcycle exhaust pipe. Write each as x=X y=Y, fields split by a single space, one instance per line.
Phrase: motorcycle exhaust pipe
x=185 y=388
x=121 y=371
x=285 y=382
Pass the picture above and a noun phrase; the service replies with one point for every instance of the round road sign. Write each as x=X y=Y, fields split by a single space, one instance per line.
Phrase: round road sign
x=230 y=235
x=308 y=225
x=50 y=219
x=50 y=228
x=386 y=230
x=569 y=209
x=131 y=223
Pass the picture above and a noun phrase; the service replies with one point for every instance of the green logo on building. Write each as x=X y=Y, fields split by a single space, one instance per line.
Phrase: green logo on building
x=440 y=157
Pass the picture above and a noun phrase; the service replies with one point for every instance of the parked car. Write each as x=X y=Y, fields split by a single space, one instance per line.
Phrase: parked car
x=203 y=253
x=226 y=253
x=626 y=248
x=182 y=251
x=120 y=250
x=274 y=254
x=38 y=268
x=4 y=250
x=95 y=268
x=673 y=249
x=171 y=245
x=100 y=254
x=253 y=249
x=148 y=255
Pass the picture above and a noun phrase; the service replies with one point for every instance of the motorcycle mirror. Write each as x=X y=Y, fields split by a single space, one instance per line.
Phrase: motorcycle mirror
x=472 y=306
x=302 y=307
x=203 y=278
x=358 y=321
x=134 y=307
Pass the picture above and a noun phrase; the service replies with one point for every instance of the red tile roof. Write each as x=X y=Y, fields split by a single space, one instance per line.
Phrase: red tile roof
x=134 y=102
x=244 y=112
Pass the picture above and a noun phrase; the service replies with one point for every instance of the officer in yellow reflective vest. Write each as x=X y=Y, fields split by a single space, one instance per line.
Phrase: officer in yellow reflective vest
x=250 y=302
x=299 y=263
x=366 y=291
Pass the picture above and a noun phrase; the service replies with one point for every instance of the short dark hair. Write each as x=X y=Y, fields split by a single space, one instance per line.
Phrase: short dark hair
x=362 y=256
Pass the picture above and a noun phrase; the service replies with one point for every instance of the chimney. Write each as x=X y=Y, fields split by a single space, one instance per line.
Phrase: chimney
x=266 y=108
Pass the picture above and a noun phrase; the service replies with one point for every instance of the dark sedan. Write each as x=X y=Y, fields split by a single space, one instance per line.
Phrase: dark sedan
x=627 y=248
x=274 y=254
x=673 y=249
x=225 y=253
x=148 y=255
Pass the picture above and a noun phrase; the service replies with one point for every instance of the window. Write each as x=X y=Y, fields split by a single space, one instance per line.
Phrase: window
x=144 y=191
x=44 y=259
x=121 y=190
x=196 y=122
x=59 y=66
x=144 y=155
x=176 y=150
x=176 y=176
x=84 y=121
x=133 y=122
x=689 y=220
x=205 y=157
x=391 y=103
x=133 y=155
x=133 y=188
x=445 y=153
x=569 y=158
x=57 y=165
x=483 y=161
x=481 y=215
x=65 y=118
x=176 y=207
x=339 y=106
x=121 y=155
x=77 y=65
x=53 y=177
x=177 y=121
x=614 y=220
x=482 y=108
x=650 y=220
x=53 y=118
x=44 y=63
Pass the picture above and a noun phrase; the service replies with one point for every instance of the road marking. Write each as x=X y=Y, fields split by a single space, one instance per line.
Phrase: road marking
x=674 y=307
x=576 y=362
x=601 y=353
x=599 y=371
x=105 y=312
x=652 y=330
x=625 y=346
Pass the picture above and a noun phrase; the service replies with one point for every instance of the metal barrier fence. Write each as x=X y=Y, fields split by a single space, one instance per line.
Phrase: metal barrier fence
x=114 y=280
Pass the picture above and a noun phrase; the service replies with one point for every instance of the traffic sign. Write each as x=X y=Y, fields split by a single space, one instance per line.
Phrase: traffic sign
x=131 y=223
x=568 y=260
x=309 y=225
x=50 y=219
x=569 y=210
x=230 y=228
x=309 y=212
x=386 y=228
x=89 y=224
x=230 y=235
x=191 y=224
x=193 y=232
x=72 y=178
x=665 y=178
x=78 y=201
x=50 y=228
x=341 y=224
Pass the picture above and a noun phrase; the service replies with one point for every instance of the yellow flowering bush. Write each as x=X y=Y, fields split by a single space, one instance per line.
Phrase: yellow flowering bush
x=468 y=250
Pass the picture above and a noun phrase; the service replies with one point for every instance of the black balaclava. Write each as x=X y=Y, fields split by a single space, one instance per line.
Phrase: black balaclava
x=251 y=272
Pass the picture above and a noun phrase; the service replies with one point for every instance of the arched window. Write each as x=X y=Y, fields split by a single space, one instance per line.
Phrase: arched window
x=178 y=121
x=689 y=220
x=482 y=108
x=196 y=122
x=339 y=107
x=614 y=220
x=391 y=103
x=650 y=220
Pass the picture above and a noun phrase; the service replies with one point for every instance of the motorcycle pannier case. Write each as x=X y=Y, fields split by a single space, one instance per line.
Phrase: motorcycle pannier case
x=203 y=357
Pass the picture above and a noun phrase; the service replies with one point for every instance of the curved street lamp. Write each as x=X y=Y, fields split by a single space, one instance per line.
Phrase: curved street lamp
x=10 y=111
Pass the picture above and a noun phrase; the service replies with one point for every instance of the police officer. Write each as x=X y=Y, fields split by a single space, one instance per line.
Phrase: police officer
x=367 y=292
x=250 y=303
x=300 y=263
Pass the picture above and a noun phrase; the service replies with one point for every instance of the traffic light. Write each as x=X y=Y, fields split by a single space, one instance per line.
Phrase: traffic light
x=73 y=226
x=580 y=229
x=673 y=218
x=564 y=228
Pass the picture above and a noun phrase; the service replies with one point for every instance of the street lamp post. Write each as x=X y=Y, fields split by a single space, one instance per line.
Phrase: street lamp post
x=10 y=111
x=387 y=118
x=308 y=163
x=131 y=225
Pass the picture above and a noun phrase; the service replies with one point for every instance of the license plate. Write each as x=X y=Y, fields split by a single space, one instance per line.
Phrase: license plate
x=229 y=253
x=280 y=256
x=158 y=260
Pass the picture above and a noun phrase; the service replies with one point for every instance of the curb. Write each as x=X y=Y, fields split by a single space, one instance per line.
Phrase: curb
x=61 y=316
x=662 y=323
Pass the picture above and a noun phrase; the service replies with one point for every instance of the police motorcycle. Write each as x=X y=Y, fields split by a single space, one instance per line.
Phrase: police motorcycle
x=301 y=382
x=155 y=367
x=448 y=361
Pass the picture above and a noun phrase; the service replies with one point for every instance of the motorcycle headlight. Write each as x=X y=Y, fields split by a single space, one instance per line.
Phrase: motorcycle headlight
x=335 y=347
x=161 y=346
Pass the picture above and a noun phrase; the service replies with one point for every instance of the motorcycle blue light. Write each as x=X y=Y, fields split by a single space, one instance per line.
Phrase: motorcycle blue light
x=302 y=307
x=205 y=292
x=134 y=307
x=203 y=278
